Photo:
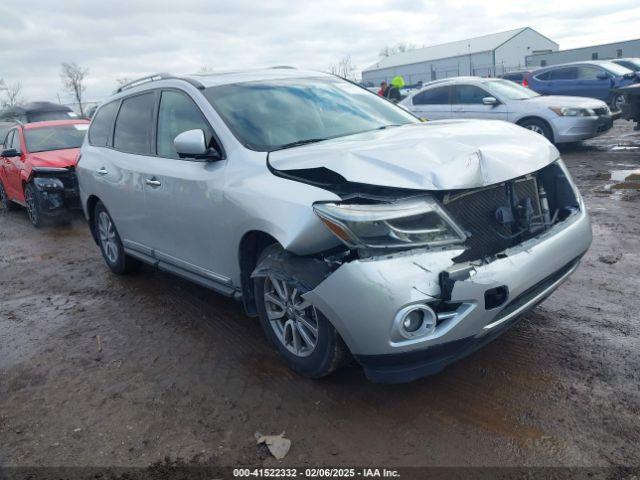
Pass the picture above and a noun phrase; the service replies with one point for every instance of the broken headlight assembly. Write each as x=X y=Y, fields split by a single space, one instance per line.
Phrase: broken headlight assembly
x=407 y=223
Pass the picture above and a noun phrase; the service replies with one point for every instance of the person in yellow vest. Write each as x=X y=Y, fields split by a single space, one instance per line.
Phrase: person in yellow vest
x=393 y=92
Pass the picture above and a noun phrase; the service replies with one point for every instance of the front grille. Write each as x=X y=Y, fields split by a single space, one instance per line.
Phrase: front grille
x=475 y=211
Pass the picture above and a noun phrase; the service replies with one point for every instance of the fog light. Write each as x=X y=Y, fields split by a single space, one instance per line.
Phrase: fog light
x=413 y=321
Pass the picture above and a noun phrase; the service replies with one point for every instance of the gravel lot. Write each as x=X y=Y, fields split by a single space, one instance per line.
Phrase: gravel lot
x=183 y=373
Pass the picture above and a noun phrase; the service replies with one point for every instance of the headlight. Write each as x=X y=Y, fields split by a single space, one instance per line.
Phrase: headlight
x=408 y=223
x=45 y=184
x=573 y=111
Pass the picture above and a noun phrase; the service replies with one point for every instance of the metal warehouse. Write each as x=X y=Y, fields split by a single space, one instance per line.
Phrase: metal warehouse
x=484 y=56
x=629 y=48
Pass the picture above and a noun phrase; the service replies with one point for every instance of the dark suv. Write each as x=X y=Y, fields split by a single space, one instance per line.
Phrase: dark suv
x=596 y=79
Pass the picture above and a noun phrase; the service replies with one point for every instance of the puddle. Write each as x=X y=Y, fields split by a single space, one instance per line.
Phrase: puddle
x=624 y=147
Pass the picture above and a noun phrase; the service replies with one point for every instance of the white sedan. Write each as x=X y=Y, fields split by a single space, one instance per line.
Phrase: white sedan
x=560 y=119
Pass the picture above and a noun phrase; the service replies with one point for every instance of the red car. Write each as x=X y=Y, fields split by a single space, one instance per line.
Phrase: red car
x=37 y=168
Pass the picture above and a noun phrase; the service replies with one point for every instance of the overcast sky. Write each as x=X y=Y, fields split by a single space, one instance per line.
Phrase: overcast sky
x=131 y=38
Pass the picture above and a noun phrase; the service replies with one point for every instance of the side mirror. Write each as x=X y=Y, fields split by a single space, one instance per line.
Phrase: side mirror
x=602 y=76
x=10 y=152
x=191 y=144
x=490 y=101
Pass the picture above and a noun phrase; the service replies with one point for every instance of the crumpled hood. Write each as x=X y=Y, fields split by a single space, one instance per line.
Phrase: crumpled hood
x=439 y=155
x=55 y=158
x=565 y=101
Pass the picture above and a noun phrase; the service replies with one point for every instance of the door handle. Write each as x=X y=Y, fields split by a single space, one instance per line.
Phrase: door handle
x=153 y=182
x=102 y=171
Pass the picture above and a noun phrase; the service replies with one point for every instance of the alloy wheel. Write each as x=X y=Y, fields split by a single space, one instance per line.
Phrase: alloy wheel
x=618 y=102
x=32 y=208
x=4 y=200
x=536 y=128
x=293 y=319
x=107 y=235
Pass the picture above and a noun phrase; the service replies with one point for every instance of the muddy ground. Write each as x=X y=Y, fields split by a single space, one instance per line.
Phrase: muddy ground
x=183 y=373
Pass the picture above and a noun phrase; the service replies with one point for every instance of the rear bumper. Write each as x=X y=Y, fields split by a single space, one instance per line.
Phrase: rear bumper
x=362 y=299
x=574 y=129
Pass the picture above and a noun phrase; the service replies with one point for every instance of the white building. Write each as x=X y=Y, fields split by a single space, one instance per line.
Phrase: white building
x=483 y=56
x=628 y=48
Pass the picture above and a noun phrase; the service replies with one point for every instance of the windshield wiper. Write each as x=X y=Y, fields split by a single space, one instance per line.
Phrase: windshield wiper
x=297 y=143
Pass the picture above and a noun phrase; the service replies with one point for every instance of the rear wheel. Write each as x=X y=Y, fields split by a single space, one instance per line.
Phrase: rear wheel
x=110 y=243
x=538 y=126
x=5 y=203
x=303 y=336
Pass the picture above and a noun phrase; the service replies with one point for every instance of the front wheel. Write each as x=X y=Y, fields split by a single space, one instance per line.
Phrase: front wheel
x=538 y=126
x=617 y=102
x=110 y=243
x=5 y=202
x=303 y=336
x=31 y=196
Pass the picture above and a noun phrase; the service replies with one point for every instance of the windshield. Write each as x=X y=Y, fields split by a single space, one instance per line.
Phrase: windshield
x=270 y=114
x=616 y=69
x=59 y=137
x=510 y=90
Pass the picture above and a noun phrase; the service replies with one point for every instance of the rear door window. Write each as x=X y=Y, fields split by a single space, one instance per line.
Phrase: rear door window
x=433 y=96
x=134 y=125
x=569 y=73
x=102 y=125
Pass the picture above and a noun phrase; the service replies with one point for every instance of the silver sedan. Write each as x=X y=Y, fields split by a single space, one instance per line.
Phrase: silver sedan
x=560 y=119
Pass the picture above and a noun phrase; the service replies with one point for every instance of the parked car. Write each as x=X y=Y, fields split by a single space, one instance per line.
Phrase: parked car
x=559 y=119
x=347 y=225
x=595 y=79
x=37 y=112
x=631 y=63
x=37 y=168
x=518 y=76
x=4 y=129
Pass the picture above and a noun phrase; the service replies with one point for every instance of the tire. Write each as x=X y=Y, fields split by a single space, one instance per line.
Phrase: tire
x=5 y=203
x=617 y=102
x=31 y=198
x=110 y=243
x=328 y=352
x=538 y=126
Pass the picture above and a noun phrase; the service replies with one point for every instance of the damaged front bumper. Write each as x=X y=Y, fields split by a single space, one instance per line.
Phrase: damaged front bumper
x=469 y=314
x=57 y=190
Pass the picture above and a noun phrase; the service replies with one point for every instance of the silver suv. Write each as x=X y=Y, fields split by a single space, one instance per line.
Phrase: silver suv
x=349 y=227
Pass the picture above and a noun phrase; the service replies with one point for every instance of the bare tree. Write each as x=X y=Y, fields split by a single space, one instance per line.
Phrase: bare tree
x=123 y=81
x=73 y=77
x=344 y=68
x=398 y=48
x=12 y=94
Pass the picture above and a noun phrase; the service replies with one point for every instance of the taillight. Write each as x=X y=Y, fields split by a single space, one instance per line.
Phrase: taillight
x=525 y=82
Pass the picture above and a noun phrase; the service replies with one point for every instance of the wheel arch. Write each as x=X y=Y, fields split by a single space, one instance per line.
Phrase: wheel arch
x=250 y=248
x=92 y=201
x=522 y=120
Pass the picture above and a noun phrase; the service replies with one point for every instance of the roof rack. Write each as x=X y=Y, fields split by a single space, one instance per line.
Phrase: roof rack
x=154 y=78
x=283 y=67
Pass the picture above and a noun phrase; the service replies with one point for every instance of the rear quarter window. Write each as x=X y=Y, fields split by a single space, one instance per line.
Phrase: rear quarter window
x=102 y=125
